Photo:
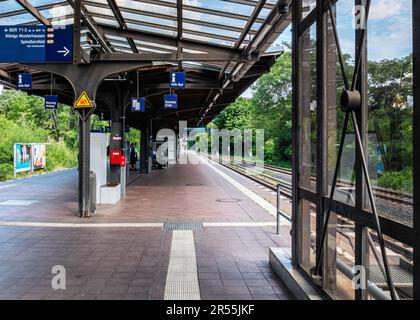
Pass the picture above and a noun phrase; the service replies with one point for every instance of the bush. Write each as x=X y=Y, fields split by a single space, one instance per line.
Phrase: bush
x=6 y=171
x=59 y=156
x=401 y=180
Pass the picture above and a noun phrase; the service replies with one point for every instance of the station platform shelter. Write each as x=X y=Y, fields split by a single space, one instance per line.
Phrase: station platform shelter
x=204 y=231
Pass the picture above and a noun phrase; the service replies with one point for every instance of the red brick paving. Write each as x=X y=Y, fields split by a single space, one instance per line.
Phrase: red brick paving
x=132 y=263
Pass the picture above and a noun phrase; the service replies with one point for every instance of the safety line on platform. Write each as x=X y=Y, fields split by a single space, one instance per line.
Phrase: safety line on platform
x=182 y=279
x=128 y=225
x=79 y=225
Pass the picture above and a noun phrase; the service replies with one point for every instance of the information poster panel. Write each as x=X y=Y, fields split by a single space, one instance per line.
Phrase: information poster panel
x=22 y=157
x=39 y=156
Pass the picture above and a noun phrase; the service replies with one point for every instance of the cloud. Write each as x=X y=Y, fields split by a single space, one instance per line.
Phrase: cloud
x=390 y=39
x=382 y=9
x=389 y=29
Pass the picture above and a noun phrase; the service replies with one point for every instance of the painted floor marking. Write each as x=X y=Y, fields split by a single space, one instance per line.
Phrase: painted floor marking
x=28 y=224
x=17 y=203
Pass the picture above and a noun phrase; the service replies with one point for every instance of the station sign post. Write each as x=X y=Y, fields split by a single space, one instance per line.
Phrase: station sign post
x=51 y=102
x=170 y=101
x=177 y=80
x=138 y=105
x=24 y=81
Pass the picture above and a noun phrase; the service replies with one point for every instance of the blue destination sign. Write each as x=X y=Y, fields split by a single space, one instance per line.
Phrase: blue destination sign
x=170 y=101
x=24 y=81
x=36 y=44
x=51 y=102
x=178 y=80
x=138 y=105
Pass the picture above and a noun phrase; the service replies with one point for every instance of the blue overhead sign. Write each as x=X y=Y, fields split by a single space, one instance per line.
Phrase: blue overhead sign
x=178 y=80
x=36 y=44
x=51 y=102
x=170 y=101
x=138 y=105
x=24 y=81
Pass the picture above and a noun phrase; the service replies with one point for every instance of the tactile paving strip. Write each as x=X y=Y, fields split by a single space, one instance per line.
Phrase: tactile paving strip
x=182 y=278
x=183 y=225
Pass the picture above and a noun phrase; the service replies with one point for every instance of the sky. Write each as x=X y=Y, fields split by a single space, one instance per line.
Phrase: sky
x=389 y=30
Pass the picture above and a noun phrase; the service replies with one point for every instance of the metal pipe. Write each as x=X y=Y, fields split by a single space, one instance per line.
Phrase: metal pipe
x=376 y=292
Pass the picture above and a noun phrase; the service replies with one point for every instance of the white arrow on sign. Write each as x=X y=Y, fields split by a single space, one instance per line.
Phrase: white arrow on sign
x=65 y=51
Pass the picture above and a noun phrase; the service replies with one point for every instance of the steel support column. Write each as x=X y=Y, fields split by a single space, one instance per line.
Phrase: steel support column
x=84 y=165
x=321 y=181
x=362 y=87
x=296 y=55
x=416 y=147
x=144 y=153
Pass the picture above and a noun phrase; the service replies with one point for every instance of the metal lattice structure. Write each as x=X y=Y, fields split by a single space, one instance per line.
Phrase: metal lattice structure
x=223 y=45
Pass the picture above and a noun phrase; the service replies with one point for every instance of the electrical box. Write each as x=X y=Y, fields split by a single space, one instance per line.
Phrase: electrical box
x=116 y=156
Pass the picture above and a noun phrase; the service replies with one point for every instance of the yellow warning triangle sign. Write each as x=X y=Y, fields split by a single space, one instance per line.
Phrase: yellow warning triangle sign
x=83 y=101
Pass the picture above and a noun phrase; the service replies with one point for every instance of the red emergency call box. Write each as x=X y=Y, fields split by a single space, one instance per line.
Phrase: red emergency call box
x=123 y=161
x=116 y=157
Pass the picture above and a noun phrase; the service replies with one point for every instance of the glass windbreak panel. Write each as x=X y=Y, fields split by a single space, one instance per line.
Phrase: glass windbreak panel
x=208 y=39
x=58 y=12
x=219 y=5
x=37 y=3
x=151 y=29
x=307 y=7
x=137 y=18
x=334 y=118
x=390 y=148
x=209 y=30
x=9 y=6
x=307 y=235
x=308 y=127
x=18 y=19
x=339 y=258
x=99 y=10
x=400 y=258
x=147 y=7
x=211 y=18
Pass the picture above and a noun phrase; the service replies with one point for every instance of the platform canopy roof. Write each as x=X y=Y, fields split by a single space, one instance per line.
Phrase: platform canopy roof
x=223 y=45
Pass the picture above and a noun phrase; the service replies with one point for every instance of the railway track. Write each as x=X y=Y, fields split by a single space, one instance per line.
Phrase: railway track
x=380 y=193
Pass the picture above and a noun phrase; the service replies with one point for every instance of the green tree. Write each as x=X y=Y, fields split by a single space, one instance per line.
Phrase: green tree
x=272 y=105
x=237 y=116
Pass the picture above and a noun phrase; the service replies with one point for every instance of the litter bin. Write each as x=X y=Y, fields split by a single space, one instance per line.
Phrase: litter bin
x=92 y=186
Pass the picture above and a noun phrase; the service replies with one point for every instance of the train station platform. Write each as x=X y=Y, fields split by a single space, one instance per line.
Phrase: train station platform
x=184 y=232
